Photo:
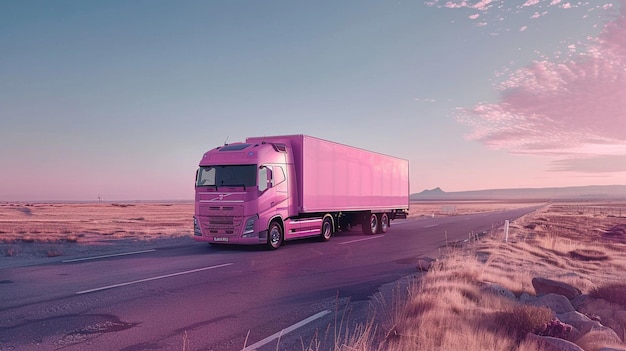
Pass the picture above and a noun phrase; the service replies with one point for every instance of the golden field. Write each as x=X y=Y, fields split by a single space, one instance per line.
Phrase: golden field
x=32 y=232
x=84 y=223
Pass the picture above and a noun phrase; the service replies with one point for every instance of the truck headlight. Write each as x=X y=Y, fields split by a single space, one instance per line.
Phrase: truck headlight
x=248 y=229
x=196 y=227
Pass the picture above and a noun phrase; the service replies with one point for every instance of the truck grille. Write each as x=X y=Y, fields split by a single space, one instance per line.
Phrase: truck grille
x=221 y=208
x=221 y=225
x=221 y=221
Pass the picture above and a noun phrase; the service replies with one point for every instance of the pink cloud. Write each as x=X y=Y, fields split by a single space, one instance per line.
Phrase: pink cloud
x=486 y=7
x=482 y=5
x=455 y=5
x=599 y=164
x=537 y=15
x=458 y=4
x=530 y=3
x=574 y=109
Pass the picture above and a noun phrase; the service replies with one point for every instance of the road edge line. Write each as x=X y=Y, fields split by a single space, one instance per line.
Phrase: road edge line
x=150 y=279
x=359 y=240
x=107 y=256
x=287 y=330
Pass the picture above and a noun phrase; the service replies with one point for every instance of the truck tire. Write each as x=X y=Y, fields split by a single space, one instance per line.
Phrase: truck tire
x=370 y=224
x=383 y=223
x=274 y=236
x=327 y=228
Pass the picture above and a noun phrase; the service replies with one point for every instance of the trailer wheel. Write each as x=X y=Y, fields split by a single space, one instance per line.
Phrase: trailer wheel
x=327 y=229
x=370 y=224
x=275 y=236
x=383 y=223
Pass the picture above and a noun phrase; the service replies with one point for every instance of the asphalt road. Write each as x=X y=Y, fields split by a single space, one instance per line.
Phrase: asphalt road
x=199 y=297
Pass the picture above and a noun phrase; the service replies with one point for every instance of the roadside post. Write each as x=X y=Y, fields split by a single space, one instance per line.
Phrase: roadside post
x=506 y=231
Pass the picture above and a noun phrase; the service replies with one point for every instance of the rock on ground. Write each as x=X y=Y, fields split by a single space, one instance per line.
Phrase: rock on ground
x=548 y=286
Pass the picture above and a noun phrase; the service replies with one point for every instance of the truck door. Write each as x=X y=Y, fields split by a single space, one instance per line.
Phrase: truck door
x=279 y=181
x=274 y=190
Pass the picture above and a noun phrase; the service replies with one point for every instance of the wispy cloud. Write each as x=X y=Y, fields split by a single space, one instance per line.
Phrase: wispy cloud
x=503 y=8
x=530 y=3
x=599 y=164
x=575 y=109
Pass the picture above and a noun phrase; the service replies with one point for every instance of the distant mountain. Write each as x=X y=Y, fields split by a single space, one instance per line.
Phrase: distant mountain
x=582 y=193
x=433 y=192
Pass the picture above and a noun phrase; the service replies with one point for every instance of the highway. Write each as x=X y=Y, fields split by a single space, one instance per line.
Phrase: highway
x=199 y=297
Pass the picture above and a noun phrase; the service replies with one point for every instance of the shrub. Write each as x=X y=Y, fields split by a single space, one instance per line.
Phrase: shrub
x=588 y=255
x=520 y=320
x=53 y=252
x=12 y=251
x=554 y=328
x=28 y=239
x=614 y=292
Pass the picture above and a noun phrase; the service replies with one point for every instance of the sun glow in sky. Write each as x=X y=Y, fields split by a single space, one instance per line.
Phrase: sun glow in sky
x=121 y=98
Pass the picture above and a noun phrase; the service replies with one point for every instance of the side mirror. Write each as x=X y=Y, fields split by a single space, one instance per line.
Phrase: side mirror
x=269 y=178
x=265 y=178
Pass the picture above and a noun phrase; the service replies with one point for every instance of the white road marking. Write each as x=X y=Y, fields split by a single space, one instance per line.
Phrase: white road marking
x=431 y=226
x=400 y=222
x=153 y=278
x=318 y=252
x=107 y=256
x=357 y=240
x=275 y=336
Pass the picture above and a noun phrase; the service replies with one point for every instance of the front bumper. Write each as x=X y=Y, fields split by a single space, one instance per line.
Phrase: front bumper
x=219 y=237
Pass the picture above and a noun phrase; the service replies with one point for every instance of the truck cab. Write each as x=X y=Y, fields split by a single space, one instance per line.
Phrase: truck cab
x=240 y=189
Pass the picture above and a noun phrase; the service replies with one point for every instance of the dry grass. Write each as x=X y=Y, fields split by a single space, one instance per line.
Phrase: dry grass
x=37 y=231
x=424 y=209
x=452 y=307
x=613 y=292
x=84 y=223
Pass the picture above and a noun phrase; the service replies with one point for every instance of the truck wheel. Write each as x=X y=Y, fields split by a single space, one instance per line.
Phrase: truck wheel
x=327 y=229
x=275 y=236
x=383 y=223
x=370 y=224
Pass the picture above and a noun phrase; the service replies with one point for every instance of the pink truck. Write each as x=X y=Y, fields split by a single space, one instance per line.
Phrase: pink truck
x=267 y=190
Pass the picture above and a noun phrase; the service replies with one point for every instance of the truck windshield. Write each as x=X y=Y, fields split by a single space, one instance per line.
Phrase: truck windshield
x=230 y=175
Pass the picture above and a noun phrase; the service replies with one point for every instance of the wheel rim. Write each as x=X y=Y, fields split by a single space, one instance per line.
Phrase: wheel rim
x=275 y=236
x=384 y=222
x=326 y=230
x=373 y=223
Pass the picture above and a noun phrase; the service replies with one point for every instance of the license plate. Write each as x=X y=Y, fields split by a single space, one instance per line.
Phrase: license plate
x=220 y=239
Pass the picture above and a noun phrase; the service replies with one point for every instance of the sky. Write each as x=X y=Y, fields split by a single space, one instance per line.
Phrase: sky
x=120 y=99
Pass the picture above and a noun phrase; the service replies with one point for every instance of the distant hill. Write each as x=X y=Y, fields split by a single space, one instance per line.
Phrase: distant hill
x=582 y=193
x=433 y=192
